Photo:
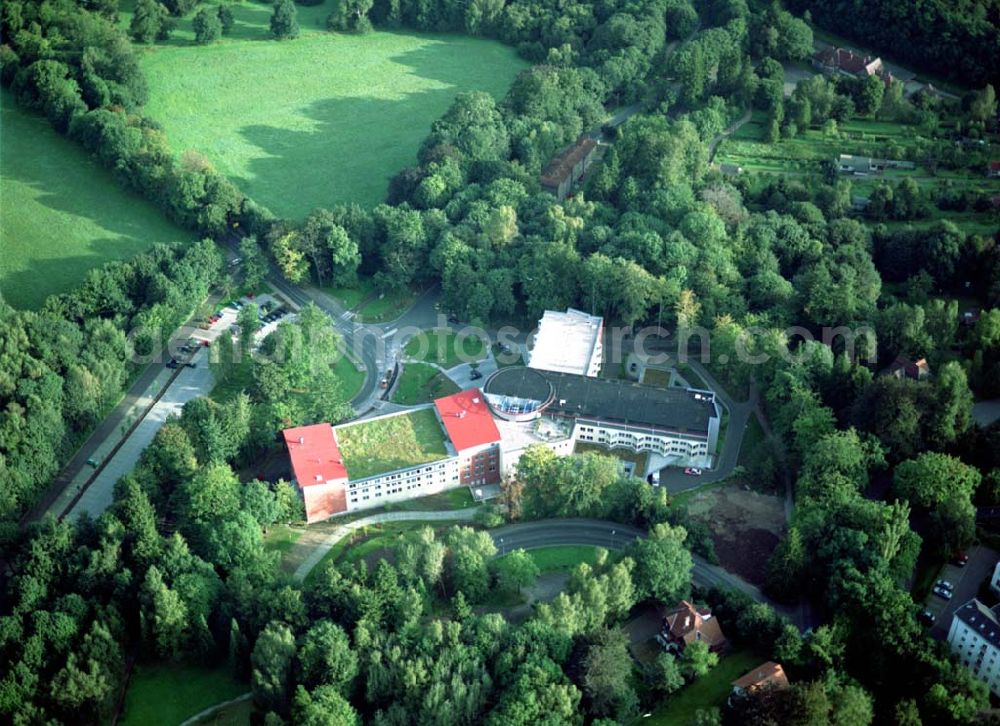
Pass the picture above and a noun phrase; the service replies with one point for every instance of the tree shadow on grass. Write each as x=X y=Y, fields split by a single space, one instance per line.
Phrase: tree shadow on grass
x=358 y=143
x=61 y=177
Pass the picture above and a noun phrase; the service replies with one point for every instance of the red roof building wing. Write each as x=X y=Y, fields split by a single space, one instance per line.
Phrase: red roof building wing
x=315 y=455
x=467 y=419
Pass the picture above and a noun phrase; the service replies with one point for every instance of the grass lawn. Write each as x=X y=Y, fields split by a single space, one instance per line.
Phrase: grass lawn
x=420 y=383
x=562 y=557
x=384 y=307
x=709 y=691
x=318 y=120
x=458 y=498
x=236 y=714
x=654 y=377
x=350 y=377
x=380 y=445
x=63 y=213
x=282 y=538
x=240 y=379
x=442 y=346
x=174 y=693
x=753 y=441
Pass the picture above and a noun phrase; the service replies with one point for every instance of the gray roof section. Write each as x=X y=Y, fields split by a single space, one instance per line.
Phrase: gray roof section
x=616 y=401
x=982 y=620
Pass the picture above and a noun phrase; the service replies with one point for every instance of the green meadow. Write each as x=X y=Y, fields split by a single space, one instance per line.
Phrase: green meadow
x=62 y=213
x=321 y=119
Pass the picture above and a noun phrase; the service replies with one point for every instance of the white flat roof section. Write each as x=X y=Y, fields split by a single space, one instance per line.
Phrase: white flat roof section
x=567 y=342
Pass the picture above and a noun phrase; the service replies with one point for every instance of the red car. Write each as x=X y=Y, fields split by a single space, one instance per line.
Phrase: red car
x=693 y=471
x=961 y=559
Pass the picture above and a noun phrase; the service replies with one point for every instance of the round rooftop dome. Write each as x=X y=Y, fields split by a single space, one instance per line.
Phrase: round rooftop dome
x=518 y=393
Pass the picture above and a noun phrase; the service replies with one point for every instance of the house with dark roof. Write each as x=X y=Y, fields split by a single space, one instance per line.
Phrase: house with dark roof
x=674 y=426
x=686 y=624
x=766 y=675
x=568 y=167
x=903 y=367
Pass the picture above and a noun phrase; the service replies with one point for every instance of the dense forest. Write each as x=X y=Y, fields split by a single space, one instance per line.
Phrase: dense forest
x=177 y=569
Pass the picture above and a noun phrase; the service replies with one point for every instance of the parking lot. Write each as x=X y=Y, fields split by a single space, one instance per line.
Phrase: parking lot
x=189 y=356
x=966 y=581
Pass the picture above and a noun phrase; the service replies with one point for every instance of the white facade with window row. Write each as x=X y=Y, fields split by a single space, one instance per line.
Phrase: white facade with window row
x=974 y=638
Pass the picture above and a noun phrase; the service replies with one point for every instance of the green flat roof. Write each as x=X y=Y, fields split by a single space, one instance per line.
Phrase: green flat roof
x=384 y=444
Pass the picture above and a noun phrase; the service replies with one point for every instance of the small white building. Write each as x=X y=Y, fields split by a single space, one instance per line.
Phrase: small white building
x=568 y=342
x=974 y=638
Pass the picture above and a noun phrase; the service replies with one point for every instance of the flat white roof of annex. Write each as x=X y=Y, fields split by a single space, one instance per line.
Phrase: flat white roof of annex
x=567 y=342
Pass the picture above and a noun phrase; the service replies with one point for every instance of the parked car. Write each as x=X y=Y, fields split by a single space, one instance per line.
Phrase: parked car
x=654 y=478
x=942 y=592
x=475 y=374
x=945 y=584
x=926 y=617
x=960 y=559
x=693 y=471
x=172 y=363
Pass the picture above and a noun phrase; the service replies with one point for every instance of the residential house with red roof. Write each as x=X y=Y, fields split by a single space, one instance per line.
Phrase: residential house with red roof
x=766 y=675
x=842 y=60
x=568 y=167
x=686 y=624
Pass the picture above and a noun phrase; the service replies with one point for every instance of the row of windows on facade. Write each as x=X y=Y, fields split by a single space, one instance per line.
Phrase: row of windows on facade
x=376 y=490
x=672 y=446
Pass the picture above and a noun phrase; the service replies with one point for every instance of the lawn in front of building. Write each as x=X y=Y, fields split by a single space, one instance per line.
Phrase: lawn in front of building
x=457 y=498
x=562 y=557
x=388 y=443
x=709 y=691
x=421 y=383
x=445 y=347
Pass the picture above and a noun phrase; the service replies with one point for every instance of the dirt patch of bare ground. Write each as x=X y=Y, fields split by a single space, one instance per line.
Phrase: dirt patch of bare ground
x=746 y=527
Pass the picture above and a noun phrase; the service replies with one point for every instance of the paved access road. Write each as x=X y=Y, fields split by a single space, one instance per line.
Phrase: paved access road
x=326 y=543
x=615 y=536
x=546 y=533
x=674 y=479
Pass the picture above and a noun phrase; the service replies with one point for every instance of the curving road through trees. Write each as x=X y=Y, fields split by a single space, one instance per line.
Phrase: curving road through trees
x=549 y=533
